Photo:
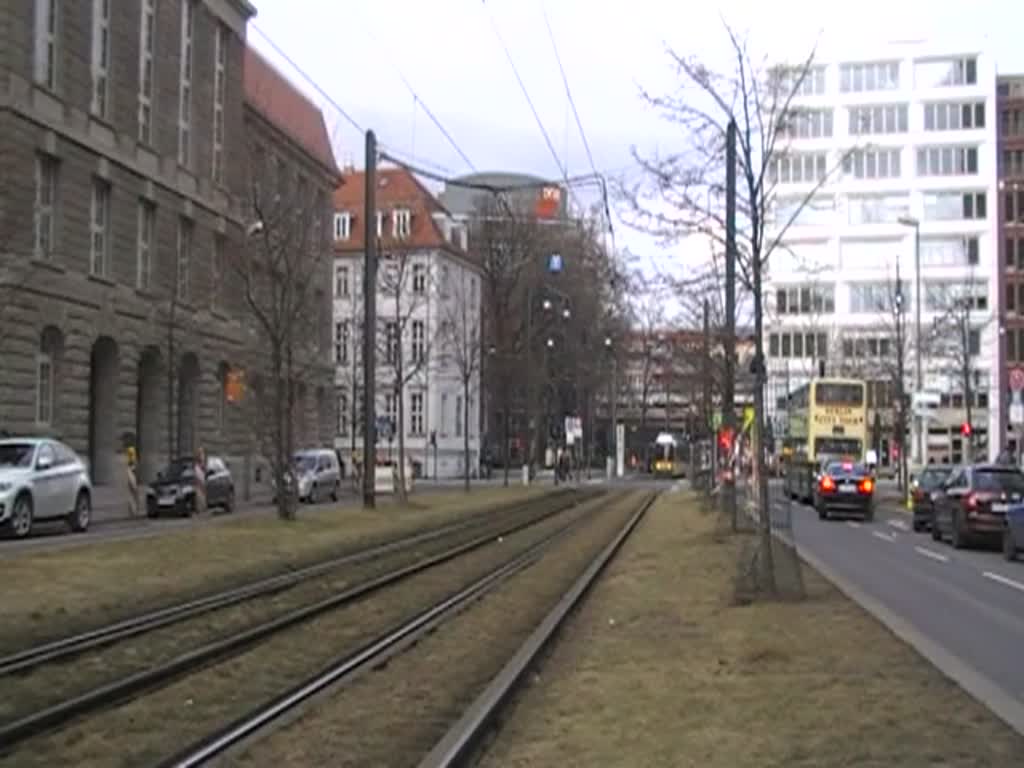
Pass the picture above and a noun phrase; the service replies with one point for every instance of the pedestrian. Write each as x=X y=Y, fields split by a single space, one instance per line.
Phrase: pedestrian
x=131 y=460
x=200 y=488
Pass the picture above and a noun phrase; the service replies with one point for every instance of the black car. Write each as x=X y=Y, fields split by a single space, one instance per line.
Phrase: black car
x=929 y=482
x=174 y=491
x=845 y=488
x=973 y=501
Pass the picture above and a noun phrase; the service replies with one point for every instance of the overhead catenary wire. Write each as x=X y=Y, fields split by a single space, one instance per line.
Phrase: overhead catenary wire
x=579 y=125
x=529 y=100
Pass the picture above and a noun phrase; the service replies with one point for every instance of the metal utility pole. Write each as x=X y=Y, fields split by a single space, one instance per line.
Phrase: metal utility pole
x=901 y=397
x=918 y=301
x=531 y=429
x=706 y=376
x=729 y=380
x=370 y=324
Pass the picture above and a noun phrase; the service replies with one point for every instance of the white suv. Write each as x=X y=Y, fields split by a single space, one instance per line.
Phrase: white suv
x=42 y=479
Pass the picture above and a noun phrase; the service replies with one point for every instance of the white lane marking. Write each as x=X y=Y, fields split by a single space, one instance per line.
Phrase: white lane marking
x=853 y=523
x=884 y=536
x=1003 y=580
x=901 y=524
x=932 y=554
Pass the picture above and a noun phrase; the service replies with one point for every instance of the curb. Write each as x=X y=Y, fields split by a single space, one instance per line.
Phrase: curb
x=983 y=689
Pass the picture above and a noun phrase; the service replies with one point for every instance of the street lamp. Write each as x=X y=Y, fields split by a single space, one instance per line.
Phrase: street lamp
x=910 y=221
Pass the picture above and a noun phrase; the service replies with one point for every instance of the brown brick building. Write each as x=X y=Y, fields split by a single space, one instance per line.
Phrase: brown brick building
x=127 y=133
x=1010 y=95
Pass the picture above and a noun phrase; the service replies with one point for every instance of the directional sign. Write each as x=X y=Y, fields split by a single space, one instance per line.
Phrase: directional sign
x=555 y=263
x=1017 y=379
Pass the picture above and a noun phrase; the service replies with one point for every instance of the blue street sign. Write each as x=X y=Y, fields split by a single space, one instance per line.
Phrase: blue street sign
x=555 y=263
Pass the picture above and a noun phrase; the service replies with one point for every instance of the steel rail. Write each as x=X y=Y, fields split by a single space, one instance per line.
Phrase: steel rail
x=78 y=643
x=457 y=745
x=132 y=686
x=370 y=654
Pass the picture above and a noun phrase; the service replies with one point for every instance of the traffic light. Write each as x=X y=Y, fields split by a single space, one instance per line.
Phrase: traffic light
x=725 y=439
x=965 y=429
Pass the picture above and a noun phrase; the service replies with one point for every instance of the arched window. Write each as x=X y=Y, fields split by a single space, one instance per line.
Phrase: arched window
x=51 y=344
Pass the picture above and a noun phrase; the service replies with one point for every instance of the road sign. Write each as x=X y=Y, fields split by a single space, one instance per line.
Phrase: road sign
x=1017 y=379
x=555 y=263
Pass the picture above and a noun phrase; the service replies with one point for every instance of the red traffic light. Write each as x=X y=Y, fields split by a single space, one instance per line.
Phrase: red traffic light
x=725 y=438
x=965 y=429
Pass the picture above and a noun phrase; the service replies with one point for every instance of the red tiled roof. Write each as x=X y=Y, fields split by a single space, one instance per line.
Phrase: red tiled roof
x=272 y=95
x=396 y=188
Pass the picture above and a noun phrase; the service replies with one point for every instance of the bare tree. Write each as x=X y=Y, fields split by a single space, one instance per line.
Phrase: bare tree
x=649 y=317
x=461 y=342
x=280 y=273
x=957 y=332
x=683 y=193
x=404 y=284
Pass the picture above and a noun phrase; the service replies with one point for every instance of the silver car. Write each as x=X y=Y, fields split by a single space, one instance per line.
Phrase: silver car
x=42 y=479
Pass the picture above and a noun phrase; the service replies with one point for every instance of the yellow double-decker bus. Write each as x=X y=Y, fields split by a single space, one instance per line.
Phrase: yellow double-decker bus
x=827 y=421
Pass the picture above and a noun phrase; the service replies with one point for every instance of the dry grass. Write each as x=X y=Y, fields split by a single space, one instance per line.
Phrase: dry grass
x=660 y=668
x=149 y=730
x=72 y=589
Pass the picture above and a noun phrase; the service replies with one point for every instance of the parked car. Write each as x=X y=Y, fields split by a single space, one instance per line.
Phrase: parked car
x=42 y=479
x=318 y=473
x=922 y=488
x=973 y=502
x=174 y=490
x=845 y=488
x=1013 y=532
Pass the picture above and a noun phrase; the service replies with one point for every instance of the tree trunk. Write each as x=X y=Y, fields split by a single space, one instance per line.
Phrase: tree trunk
x=465 y=430
x=965 y=331
x=506 y=441
x=278 y=437
x=763 y=508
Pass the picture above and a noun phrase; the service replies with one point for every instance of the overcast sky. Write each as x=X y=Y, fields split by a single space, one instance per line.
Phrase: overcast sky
x=367 y=54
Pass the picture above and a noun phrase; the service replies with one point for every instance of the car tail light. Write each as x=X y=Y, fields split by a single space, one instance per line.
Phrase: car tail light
x=827 y=483
x=867 y=485
x=971 y=501
x=918 y=494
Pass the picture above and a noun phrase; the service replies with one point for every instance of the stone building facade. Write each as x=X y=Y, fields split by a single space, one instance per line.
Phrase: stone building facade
x=125 y=141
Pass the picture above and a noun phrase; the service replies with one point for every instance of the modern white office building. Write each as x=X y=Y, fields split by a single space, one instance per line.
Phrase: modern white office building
x=905 y=138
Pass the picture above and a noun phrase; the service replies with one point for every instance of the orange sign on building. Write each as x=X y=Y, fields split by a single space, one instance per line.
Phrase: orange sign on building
x=549 y=202
x=234 y=385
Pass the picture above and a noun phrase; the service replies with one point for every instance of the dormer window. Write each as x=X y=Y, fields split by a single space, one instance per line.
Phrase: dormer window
x=380 y=223
x=402 y=223
x=342 y=225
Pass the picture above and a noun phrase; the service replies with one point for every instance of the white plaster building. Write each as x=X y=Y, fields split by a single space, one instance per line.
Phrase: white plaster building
x=899 y=132
x=428 y=311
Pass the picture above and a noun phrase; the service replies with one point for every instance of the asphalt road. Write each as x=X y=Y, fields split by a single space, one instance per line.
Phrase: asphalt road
x=969 y=603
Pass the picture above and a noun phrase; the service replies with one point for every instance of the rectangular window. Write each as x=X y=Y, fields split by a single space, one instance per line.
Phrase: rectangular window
x=956 y=251
x=380 y=223
x=99 y=226
x=391 y=342
x=341 y=283
x=877 y=209
x=100 y=56
x=873 y=164
x=343 y=415
x=416 y=414
x=800 y=167
x=869 y=120
x=217 y=272
x=220 y=65
x=870 y=297
x=947 y=161
x=419 y=342
x=458 y=416
x=808 y=124
x=869 y=76
x=144 y=252
x=147 y=45
x=419 y=278
x=342 y=340
x=391 y=409
x=343 y=226
x=952 y=206
x=402 y=223
x=773 y=345
x=44 y=390
x=46 y=39
x=45 y=207
x=945 y=72
x=185 y=85
x=183 y=272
